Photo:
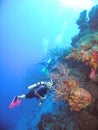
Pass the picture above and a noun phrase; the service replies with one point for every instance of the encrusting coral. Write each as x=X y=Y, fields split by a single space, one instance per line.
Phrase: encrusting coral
x=68 y=89
x=87 y=53
x=78 y=98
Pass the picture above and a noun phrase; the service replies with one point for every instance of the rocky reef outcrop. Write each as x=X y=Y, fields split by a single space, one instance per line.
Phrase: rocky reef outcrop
x=93 y=18
x=86 y=25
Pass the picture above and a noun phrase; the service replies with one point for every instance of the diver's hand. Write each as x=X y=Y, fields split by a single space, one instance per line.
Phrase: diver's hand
x=40 y=103
x=43 y=98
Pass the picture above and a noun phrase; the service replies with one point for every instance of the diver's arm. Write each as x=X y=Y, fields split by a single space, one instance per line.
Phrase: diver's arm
x=37 y=94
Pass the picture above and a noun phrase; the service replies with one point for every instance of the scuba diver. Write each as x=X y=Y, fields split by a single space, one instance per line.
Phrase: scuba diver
x=48 y=64
x=38 y=91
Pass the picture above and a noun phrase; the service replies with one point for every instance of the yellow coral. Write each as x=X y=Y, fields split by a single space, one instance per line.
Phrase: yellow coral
x=78 y=98
x=88 y=52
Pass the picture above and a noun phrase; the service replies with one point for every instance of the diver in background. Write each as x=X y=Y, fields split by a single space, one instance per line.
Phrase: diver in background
x=38 y=90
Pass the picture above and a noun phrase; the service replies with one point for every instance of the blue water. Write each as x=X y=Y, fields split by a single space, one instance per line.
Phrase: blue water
x=28 y=28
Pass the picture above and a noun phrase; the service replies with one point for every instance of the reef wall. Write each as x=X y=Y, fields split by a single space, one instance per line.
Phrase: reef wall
x=75 y=77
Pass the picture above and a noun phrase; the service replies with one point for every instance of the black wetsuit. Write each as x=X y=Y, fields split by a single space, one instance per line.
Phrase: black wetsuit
x=41 y=89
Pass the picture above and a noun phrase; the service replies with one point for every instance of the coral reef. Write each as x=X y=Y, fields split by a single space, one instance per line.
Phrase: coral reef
x=56 y=122
x=78 y=99
x=68 y=88
x=75 y=80
x=87 y=53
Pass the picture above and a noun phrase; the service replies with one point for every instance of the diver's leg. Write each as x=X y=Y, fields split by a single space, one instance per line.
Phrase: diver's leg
x=15 y=102
x=23 y=96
